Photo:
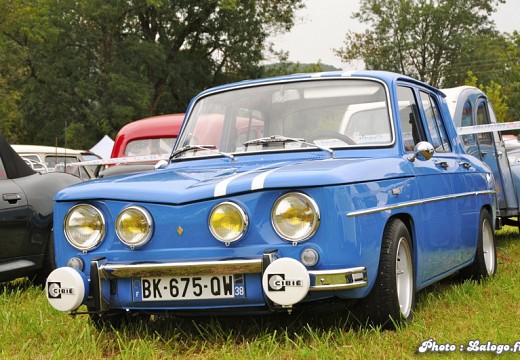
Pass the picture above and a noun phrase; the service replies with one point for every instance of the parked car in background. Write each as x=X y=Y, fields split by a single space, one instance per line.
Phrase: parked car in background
x=139 y=145
x=26 y=240
x=473 y=115
x=511 y=142
x=514 y=157
x=58 y=159
x=347 y=188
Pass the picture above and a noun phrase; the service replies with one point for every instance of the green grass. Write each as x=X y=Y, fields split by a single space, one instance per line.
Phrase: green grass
x=448 y=312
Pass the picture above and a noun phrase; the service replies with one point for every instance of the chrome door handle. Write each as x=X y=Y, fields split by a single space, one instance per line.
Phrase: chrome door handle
x=12 y=198
x=444 y=164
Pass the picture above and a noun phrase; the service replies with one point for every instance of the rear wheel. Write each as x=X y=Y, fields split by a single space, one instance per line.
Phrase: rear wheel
x=485 y=262
x=392 y=299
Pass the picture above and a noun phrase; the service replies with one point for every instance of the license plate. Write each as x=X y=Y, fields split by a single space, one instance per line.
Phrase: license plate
x=188 y=288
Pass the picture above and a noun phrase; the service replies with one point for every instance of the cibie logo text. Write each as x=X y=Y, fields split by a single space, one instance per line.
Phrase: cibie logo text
x=55 y=290
x=277 y=282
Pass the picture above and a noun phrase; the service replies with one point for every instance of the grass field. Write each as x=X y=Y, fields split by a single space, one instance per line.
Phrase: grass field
x=449 y=313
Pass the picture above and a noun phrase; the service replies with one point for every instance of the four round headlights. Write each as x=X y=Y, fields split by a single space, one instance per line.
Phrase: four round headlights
x=294 y=216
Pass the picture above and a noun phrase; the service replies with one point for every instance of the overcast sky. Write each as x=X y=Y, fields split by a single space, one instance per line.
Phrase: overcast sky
x=322 y=26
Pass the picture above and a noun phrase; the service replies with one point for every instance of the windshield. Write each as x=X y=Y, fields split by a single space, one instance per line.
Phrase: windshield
x=327 y=114
x=154 y=146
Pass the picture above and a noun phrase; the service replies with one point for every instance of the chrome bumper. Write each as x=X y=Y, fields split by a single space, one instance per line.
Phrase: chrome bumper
x=320 y=280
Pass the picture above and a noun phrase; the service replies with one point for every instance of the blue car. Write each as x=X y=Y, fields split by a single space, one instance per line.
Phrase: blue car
x=282 y=193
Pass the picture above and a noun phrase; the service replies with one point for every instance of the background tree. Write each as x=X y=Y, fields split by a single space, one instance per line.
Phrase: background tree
x=420 y=38
x=493 y=59
x=96 y=65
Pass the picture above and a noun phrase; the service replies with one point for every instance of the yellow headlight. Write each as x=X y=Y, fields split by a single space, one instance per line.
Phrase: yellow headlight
x=295 y=217
x=84 y=227
x=134 y=226
x=227 y=222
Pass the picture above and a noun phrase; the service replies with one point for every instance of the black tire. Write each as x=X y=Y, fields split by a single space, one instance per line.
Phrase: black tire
x=392 y=299
x=108 y=321
x=49 y=264
x=116 y=319
x=485 y=263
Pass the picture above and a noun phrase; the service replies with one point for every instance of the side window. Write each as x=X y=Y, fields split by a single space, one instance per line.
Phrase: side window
x=483 y=119
x=467 y=116
x=408 y=116
x=3 y=175
x=435 y=125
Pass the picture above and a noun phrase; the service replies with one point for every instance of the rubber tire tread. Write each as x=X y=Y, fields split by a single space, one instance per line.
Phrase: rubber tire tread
x=381 y=306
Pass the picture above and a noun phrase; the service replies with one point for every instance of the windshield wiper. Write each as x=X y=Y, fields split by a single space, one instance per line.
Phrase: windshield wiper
x=200 y=147
x=283 y=139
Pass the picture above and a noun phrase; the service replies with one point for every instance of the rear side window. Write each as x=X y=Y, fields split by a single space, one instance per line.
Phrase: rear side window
x=467 y=116
x=435 y=125
x=3 y=175
x=483 y=119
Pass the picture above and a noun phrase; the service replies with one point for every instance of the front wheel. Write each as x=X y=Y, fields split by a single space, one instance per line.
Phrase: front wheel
x=392 y=299
x=116 y=319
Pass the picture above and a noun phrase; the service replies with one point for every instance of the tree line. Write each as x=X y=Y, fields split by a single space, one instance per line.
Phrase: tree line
x=74 y=70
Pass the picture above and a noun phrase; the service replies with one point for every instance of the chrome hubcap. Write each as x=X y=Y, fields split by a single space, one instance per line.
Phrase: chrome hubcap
x=404 y=277
x=487 y=247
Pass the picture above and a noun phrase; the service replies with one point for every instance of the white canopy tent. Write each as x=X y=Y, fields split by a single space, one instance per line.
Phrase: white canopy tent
x=104 y=147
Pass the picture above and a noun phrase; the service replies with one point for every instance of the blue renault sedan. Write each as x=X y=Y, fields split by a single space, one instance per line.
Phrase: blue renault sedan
x=283 y=193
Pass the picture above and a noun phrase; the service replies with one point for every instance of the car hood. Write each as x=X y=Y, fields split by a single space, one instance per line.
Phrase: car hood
x=182 y=184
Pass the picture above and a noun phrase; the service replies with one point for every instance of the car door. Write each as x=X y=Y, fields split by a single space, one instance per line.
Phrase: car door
x=488 y=147
x=14 y=217
x=438 y=179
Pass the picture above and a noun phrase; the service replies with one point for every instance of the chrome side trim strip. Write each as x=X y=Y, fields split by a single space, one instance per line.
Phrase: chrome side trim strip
x=417 y=202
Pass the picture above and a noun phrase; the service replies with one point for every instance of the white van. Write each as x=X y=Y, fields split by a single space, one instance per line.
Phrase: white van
x=58 y=159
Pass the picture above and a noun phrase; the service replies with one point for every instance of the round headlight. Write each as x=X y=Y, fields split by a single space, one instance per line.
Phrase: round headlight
x=134 y=226
x=84 y=227
x=295 y=217
x=227 y=222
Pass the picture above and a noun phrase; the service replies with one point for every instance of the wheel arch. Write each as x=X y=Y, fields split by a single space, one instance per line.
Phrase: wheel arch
x=407 y=219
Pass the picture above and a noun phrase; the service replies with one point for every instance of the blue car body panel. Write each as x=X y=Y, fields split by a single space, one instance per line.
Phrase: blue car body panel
x=357 y=190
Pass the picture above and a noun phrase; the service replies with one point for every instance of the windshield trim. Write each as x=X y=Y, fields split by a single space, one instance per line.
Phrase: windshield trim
x=252 y=84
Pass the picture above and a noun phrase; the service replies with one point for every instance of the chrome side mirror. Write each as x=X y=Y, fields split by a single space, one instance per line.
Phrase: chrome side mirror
x=423 y=151
x=161 y=164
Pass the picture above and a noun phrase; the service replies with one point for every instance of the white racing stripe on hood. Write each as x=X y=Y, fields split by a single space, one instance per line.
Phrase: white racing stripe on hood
x=257 y=183
x=259 y=180
x=221 y=188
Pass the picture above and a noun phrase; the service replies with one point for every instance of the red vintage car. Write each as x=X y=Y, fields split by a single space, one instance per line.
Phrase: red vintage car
x=141 y=143
x=153 y=135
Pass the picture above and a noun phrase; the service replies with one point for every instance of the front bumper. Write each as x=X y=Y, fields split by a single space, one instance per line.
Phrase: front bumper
x=103 y=272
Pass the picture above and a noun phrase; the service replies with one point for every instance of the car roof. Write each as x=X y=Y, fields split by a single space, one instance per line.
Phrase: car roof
x=453 y=95
x=15 y=166
x=155 y=126
x=42 y=149
x=385 y=76
x=160 y=126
